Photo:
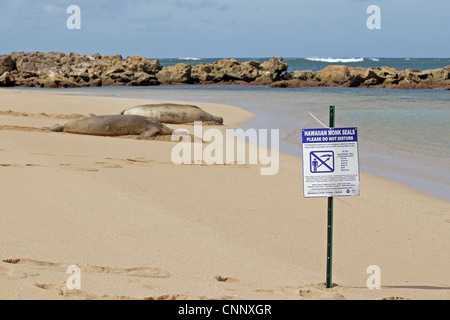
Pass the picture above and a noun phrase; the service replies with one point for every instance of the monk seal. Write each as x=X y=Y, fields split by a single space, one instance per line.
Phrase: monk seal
x=114 y=125
x=173 y=113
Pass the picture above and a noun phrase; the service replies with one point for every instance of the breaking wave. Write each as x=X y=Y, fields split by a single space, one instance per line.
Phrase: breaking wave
x=336 y=60
x=190 y=59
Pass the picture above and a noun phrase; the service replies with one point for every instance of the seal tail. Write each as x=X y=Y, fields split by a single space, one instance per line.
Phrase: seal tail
x=55 y=128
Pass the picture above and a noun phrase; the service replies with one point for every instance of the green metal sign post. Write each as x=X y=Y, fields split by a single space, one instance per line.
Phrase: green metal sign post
x=327 y=154
x=330 y=220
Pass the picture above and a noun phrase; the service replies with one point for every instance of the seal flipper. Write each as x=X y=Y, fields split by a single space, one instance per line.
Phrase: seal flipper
x=219 y=120
x=149 y=133
x=55 y=128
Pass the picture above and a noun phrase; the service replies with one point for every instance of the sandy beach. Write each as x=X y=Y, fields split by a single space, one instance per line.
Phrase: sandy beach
x=140 y=227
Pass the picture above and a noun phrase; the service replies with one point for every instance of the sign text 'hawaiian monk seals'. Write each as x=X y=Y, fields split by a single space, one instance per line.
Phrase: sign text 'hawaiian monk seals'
x=173 y=113
x=114 y=125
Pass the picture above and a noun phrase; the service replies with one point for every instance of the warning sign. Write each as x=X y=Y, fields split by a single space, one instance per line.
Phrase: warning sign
x=330 y=162
x=322 y=161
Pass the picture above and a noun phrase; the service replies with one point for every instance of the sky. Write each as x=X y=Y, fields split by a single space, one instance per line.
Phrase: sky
x=229 y=28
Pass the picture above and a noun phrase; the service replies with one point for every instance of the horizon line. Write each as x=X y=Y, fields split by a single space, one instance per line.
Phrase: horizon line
x=245 y=57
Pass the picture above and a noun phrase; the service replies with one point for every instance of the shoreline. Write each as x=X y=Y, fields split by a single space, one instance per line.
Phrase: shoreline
x=428 y=188
x=141 y=227
x=437 y=191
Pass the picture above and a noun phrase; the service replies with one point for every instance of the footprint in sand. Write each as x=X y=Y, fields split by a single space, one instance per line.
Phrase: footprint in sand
x=143 y=272
x=75 y=168
x=35 y=263
x=19 y=128
x=60 y=289
x=7 y=165
x=320 y=292
x=395 y=298
x=107 y=165
x=11 y=274
x=42 y=154
x=226 y=279
x=172 y=297
x=132 y=272
x=28 y=165
x=73 y=116
x=139 y=160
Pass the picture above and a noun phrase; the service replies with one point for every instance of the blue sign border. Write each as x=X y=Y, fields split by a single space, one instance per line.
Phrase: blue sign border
x=328 y=135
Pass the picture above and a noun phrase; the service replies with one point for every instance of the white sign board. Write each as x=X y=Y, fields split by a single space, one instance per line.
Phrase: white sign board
x=330 y=162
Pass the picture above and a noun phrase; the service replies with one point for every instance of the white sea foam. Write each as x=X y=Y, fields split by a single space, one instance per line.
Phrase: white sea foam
x=375 y=59
x=336 y=60
x=191 y=59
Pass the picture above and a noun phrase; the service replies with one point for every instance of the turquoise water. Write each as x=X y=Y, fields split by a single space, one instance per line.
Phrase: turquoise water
x=404 y=134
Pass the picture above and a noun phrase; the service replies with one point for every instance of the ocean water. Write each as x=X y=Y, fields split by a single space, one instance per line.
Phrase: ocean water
x=318 y=63
x=404 y=135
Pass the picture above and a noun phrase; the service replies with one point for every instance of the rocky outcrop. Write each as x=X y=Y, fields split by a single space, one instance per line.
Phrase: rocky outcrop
x=362 y=77
x=337 y=74
x=7 y=64
x=303 y=75
x=228 y=70
x=384 y=77
x=273 y=69
x=6 y=80
x=179 y=73
x=59 y=70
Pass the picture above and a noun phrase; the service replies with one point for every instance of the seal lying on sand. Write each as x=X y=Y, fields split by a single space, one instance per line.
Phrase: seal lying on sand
x=114 y=125
x=173 y=113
